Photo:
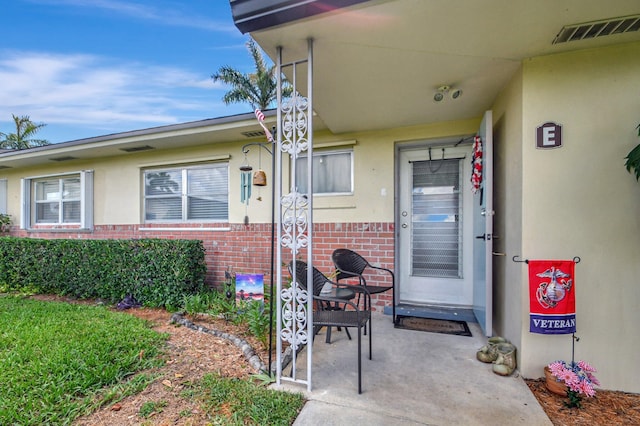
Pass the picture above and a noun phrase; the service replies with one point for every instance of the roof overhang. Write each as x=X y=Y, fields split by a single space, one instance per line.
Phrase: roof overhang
x=254 y=15
x=229 y=129
x=379 y=63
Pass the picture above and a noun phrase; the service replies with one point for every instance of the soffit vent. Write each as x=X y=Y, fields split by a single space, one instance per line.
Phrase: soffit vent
x=611 y=26
x=65 y=158
x=256 y=134
x=137 y=148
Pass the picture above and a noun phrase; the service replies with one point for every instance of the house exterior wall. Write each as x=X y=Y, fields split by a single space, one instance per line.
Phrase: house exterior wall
x=363 y=221
x=578 y=200
x=507 y=161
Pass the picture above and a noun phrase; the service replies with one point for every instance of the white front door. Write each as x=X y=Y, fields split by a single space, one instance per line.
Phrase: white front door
x=435 y=218
x=483 y=231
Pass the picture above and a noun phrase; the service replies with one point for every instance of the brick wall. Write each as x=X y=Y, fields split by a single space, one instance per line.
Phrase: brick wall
x=246 y=248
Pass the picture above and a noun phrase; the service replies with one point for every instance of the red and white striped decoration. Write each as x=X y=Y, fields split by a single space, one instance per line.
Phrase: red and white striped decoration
x=476 y=164
x=260 y=117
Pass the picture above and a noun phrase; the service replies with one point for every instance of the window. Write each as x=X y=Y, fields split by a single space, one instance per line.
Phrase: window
x=437 y=208
x=332 y=173
x=187 y=194
x=58 y=200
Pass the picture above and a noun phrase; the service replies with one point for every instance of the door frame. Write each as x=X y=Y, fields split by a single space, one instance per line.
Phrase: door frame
x=434 y=143
x=483 y=232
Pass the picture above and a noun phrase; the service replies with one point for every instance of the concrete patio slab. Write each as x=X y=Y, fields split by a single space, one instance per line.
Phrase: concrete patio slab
x=415 y=378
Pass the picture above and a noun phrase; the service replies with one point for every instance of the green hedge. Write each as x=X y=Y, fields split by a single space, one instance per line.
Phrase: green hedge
x=156 y=272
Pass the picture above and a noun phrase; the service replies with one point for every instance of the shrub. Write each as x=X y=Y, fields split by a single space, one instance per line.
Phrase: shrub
x=156 y=272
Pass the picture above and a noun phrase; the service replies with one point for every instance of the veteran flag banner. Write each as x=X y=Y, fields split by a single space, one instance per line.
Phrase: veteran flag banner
x=552 y=302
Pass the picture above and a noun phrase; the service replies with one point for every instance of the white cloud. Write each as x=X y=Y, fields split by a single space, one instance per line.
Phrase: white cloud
x=93 y=91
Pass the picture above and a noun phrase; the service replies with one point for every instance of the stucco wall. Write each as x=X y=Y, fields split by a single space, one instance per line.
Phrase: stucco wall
x=118 y=180
x=507 y=142
x=374 y=174
x=579 y=200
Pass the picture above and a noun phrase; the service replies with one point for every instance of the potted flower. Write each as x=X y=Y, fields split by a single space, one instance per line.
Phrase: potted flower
x=577 y=377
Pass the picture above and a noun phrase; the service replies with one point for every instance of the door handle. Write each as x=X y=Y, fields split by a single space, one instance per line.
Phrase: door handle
x=486 y=237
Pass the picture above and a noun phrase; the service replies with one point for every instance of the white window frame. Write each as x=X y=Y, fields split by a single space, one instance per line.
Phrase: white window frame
x=184 y=194
x=27 y=215
x=317 y=153
x=3 y=196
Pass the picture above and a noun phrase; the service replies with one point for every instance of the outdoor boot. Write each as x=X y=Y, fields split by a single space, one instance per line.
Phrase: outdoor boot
x=489 y=352
x=505 y=363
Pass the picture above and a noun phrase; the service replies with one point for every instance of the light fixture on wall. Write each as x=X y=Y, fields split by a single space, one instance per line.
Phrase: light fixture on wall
x=446 y=90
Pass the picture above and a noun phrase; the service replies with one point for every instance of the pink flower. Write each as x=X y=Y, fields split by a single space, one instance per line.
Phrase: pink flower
x=577 y=376
x=586 y=367
x=569 y=377
x=556 y=368
x=586 y=388
x=593 y=379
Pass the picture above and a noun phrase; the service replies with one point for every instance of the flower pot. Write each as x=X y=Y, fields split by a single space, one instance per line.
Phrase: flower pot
x=553 y=384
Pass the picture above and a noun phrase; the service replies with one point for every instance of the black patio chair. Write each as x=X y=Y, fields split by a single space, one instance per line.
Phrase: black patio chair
x=350 y=264
x=333 y=311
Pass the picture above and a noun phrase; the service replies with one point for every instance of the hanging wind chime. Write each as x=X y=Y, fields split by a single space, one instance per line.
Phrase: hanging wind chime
x=245 y=187
x=259 y=177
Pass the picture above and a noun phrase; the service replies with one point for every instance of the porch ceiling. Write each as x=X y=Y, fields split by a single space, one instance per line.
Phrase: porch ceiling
x=378 y=64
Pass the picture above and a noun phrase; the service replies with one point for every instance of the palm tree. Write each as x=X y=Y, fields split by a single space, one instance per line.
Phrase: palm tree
x=259 y=89
x=23 y=137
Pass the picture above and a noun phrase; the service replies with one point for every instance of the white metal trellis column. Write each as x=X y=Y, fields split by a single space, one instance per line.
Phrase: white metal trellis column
x=294 y=219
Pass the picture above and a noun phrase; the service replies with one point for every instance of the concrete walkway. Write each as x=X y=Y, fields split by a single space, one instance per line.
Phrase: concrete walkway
x=415 y=378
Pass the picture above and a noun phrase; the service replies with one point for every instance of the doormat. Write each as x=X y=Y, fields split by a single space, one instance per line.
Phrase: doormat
x=432 y=325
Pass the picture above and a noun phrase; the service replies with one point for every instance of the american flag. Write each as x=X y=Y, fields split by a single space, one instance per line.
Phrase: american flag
x=260 y=117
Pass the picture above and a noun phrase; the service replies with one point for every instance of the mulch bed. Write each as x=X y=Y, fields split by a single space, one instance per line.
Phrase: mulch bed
x=605 y=408
x=189 y=356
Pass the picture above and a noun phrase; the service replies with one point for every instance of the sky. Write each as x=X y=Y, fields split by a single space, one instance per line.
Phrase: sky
x=89 y=68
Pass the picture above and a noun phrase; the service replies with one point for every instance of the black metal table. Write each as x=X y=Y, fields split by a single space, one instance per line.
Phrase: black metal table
x=337 y=293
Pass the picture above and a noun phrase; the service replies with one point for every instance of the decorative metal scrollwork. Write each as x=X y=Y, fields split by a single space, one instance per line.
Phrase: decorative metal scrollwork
x=295 y=125
x=294 y=315
x=295 y=217
x=295 y=208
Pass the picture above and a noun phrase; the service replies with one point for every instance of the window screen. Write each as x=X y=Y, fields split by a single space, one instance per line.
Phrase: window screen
x=187 y=194
x=437 y=229
x=57 y=200
x=332 y=173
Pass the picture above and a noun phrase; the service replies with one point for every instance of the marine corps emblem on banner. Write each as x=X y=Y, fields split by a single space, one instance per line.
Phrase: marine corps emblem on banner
x=552 y=300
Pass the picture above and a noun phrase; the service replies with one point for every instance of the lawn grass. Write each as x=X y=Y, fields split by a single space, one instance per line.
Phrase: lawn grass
x=239 y=402
x=60 y=360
